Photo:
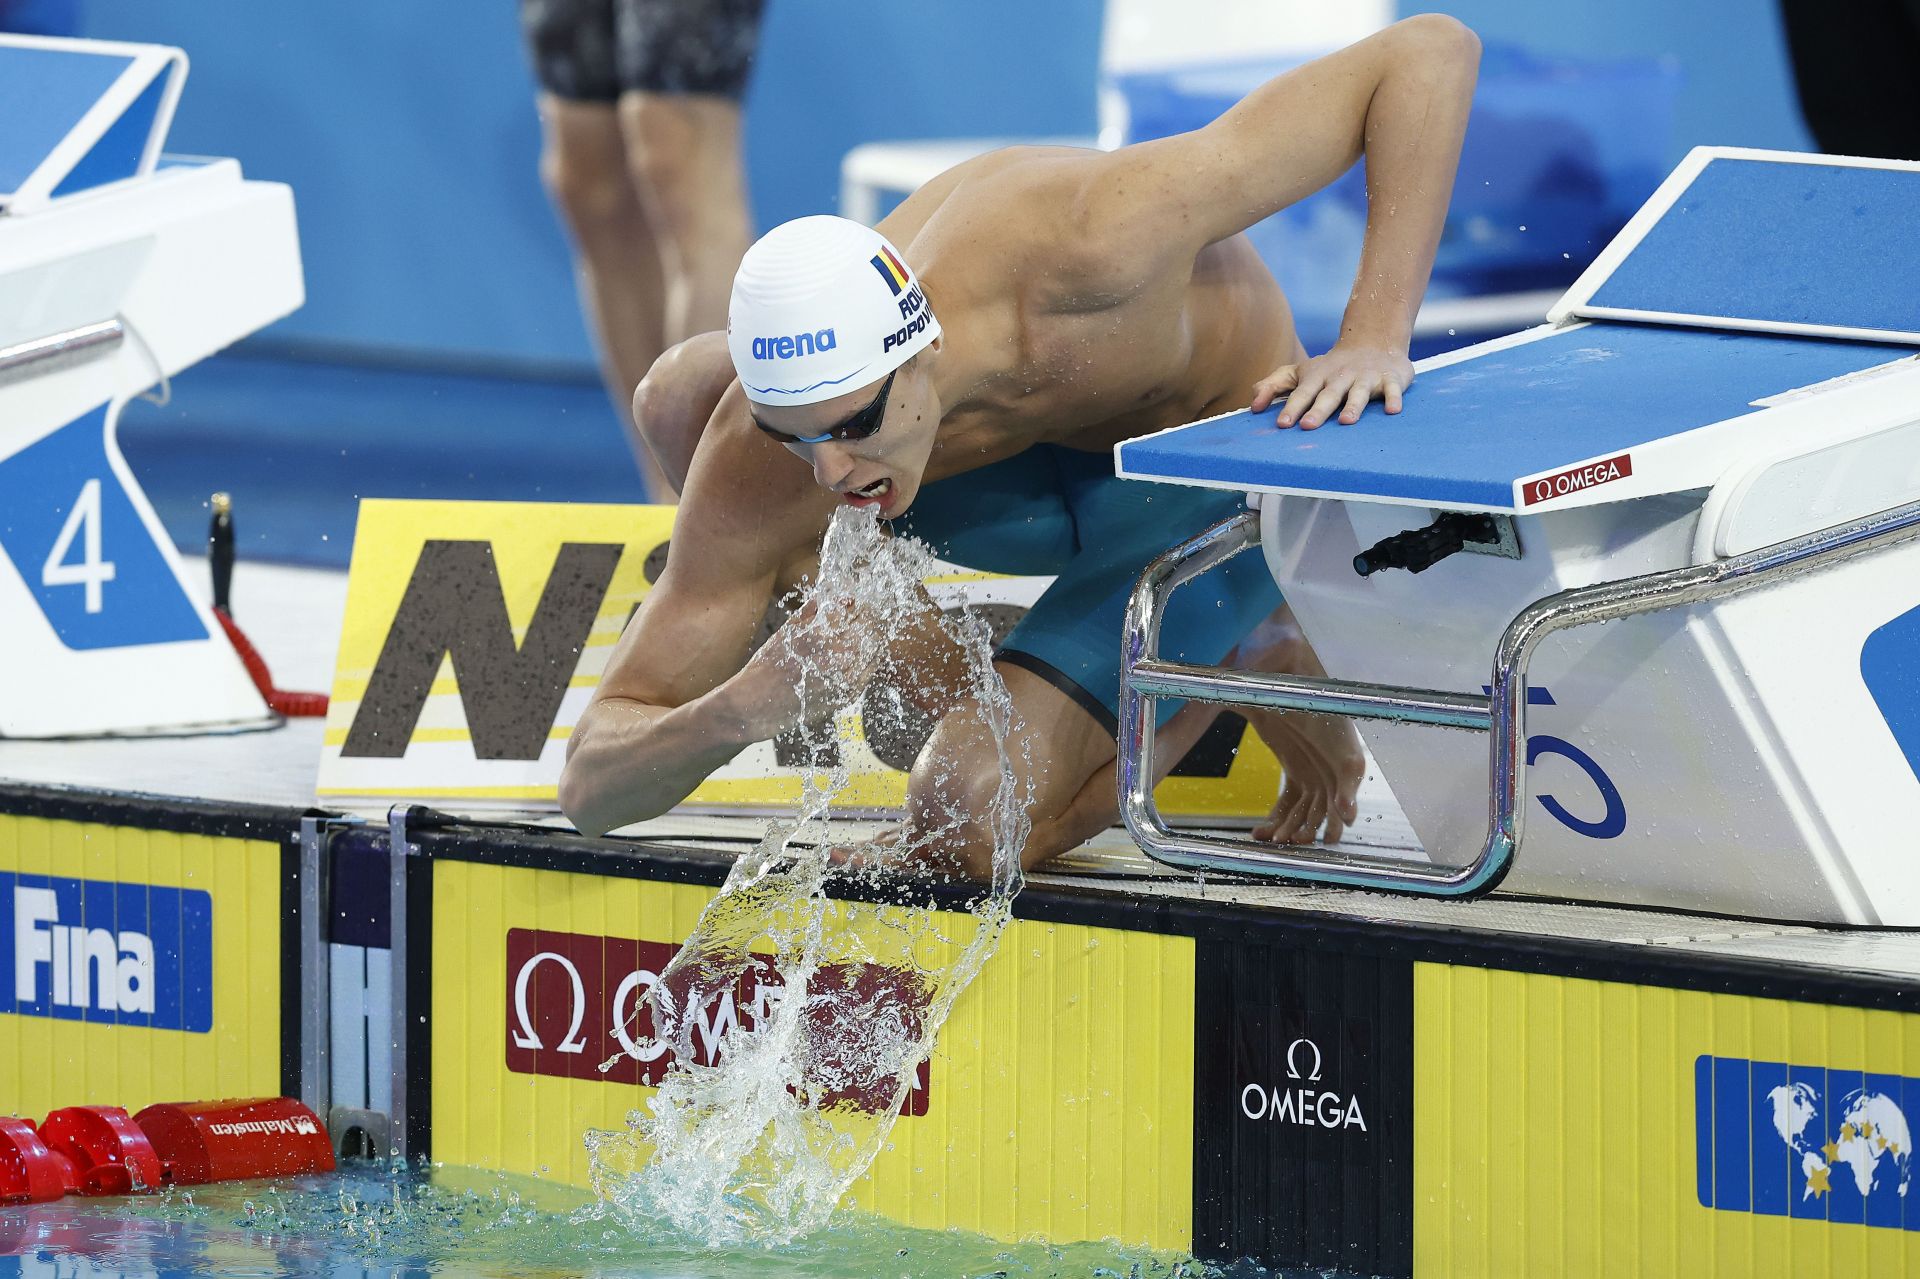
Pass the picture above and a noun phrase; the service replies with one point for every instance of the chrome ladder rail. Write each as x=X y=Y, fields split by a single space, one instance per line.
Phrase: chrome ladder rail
x=1145 y=677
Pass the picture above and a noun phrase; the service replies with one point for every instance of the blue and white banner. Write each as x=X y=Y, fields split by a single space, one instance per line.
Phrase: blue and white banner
x=1887 y=667
x=75 y=538
x=1806 y=1141
x=100 y=951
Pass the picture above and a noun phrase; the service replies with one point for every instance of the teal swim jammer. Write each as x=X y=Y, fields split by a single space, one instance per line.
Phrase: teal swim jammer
x=1059 y=512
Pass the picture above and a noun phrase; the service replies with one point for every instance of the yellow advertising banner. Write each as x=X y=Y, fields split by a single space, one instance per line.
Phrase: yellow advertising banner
x=146 y=966
x=1079 y=1040
x=1574 y=1127
x=476 y=632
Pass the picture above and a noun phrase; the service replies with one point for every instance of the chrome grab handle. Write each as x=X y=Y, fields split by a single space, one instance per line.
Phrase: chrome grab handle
x=1144 y=677
x=58 y=350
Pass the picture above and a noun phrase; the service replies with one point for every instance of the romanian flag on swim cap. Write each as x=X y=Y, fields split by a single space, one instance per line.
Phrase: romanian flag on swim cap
x=890 y=270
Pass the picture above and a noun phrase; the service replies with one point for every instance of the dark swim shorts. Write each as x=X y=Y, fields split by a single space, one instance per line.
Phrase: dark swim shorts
x=596 y=50
x=1063 y=513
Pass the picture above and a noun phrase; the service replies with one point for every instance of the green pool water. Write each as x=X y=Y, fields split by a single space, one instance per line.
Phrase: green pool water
x=372 y=1219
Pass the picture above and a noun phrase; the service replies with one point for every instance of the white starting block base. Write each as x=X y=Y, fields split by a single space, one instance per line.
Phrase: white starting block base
x=117 y=270
x=1676 y=759
x=100 y=634
x=1757 y=755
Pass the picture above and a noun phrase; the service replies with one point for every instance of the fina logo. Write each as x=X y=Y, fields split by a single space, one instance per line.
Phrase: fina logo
x=93 y=950
x=1307 y=1106
x=89 y=968
x=787 y=348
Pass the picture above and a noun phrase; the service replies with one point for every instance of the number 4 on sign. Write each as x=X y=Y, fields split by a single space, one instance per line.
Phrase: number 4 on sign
x=91 y=571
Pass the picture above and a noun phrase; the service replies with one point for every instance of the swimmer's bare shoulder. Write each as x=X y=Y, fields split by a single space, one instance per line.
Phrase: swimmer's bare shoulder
x=748 y=511
x=1003 y=221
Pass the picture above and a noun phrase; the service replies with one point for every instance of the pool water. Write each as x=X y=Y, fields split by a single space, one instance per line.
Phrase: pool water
x=373 y=1219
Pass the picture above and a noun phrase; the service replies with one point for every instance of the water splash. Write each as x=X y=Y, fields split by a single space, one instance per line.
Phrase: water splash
x=760 y=1141
x=389 y=1220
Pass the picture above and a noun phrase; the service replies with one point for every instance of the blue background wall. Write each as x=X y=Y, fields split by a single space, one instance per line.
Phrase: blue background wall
x=1739 y=87
x=408 y=131
x=409 y=135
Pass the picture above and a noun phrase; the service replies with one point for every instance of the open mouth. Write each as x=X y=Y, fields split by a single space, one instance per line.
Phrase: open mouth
x=878 y=491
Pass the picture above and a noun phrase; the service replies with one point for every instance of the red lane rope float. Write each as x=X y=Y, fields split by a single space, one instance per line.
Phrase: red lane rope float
x=99 y=1150
x=291 y=704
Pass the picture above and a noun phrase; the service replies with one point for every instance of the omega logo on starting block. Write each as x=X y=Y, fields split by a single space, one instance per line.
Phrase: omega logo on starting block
x=1578 y=478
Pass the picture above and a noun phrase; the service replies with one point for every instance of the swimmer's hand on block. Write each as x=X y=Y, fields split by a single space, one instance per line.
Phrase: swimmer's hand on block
x=1344 y=381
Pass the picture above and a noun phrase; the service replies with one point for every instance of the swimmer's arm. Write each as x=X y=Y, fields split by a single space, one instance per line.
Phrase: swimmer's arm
x=1400 y=98
x=688 y=386
x=665 y=714
x=679 y=697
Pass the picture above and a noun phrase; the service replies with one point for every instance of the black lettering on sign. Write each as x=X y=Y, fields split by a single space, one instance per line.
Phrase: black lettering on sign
x=454 y=606
x=814 y=744
x=655 y=564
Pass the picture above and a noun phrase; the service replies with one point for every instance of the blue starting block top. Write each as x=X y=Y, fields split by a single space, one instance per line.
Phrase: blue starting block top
x=44 y=93
x=80 y=114
x=1471 y=430
x=1767 y=240
x=1748 y=274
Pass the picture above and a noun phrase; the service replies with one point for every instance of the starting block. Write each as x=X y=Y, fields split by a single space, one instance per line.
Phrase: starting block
x=1664 y=550
x=118 y=268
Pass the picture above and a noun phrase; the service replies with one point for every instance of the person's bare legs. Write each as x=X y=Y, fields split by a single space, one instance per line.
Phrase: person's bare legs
x=683 y=151
x=619 y=272
x=1322 y=755
x=1075 y=774
x=951 y=790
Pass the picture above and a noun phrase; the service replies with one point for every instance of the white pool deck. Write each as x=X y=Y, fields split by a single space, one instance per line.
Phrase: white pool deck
x=292 y=615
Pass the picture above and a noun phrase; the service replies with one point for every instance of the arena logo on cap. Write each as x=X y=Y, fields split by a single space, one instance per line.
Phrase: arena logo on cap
x=794 y=346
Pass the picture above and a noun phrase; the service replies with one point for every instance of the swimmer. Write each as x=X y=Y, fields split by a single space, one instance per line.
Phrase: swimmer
x=966 y=370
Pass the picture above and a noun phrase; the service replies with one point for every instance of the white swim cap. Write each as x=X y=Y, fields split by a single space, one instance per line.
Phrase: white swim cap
x=822 y=306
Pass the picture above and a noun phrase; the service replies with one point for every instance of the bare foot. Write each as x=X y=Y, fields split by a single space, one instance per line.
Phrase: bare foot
x=1321 y=755
x=1324 y=765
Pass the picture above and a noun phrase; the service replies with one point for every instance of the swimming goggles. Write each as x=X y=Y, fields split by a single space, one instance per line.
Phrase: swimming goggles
x=859 y=426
